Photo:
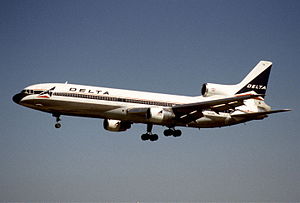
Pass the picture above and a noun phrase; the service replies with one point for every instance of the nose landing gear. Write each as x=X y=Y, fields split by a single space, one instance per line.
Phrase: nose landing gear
x=57 y=124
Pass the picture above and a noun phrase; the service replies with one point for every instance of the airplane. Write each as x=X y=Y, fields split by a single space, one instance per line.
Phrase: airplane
x=217 y=106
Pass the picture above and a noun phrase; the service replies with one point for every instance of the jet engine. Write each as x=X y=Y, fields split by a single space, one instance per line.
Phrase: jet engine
x=116 y=125
x=157 y=115
x=211 y=89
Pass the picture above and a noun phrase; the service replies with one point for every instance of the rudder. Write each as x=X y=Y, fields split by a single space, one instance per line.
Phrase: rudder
x=257 y=79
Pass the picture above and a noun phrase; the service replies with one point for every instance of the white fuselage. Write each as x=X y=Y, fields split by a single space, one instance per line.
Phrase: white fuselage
x=110 y=103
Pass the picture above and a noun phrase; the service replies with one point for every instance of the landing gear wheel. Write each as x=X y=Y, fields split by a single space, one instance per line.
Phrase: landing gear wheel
x=153 y=137
x=57 y=125
x=149 y=135
x=177 y=133
x=172 y=131
x=145 y=137
x=168 y=132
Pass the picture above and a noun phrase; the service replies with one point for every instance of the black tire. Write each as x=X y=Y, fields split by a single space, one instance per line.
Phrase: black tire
x=57 y=125
x=168 y=132
x=177 y=133
x=145 y=137
x=153 y=137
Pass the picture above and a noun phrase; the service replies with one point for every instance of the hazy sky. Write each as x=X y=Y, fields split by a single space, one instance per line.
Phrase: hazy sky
x=155 y=45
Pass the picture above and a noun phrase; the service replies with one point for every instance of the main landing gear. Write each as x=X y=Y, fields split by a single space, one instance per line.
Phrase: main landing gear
x=57 y=124
x=154 y=137
x=149 y=135
x=172 y=132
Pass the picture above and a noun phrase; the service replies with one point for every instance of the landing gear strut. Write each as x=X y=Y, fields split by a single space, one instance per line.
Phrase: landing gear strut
x=57 y=124
x=149 y=135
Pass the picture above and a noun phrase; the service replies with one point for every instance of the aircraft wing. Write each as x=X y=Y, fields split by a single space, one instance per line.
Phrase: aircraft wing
x=257 y=114
x=193 y=111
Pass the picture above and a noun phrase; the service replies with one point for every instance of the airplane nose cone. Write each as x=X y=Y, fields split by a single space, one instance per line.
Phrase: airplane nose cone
x=18 y=97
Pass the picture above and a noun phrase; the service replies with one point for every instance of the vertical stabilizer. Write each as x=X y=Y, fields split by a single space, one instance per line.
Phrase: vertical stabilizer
x=257 y=79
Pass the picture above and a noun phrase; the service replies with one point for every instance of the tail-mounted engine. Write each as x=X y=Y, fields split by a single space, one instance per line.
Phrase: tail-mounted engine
x=116 y=125
x=211 y=89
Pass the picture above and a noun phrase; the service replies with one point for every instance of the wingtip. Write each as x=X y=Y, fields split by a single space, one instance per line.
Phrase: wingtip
x=284 y=110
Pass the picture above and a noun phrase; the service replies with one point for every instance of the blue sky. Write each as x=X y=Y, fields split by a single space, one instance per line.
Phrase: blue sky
x=161 y=46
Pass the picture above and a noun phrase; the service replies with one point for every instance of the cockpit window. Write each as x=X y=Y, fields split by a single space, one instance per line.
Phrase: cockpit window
x=27 y=91
x=37 y=92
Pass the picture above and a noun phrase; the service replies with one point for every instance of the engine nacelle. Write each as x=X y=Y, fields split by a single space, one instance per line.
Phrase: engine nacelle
x=211 y=89
x=116 y=125
x=157 y=115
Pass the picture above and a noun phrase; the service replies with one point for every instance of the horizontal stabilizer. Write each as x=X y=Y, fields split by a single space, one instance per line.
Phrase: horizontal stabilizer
x=257 y=114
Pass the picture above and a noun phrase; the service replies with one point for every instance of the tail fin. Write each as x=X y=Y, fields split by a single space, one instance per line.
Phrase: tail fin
x=257 y=79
